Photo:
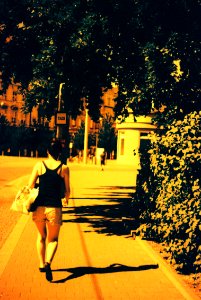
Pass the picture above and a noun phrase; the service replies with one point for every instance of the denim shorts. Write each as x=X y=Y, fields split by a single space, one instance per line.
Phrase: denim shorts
x=53 y=215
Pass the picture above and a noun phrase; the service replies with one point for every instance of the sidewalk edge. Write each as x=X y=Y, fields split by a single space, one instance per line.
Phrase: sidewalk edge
x=180 y=285
x=11 y=242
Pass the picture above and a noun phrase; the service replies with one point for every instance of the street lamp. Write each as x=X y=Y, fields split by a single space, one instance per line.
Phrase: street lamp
x=86 y=136
x=58 y=133
x=86 y=133
x=99 y=125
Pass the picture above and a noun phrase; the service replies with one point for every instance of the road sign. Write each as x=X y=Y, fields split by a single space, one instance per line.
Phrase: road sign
x=60 y=118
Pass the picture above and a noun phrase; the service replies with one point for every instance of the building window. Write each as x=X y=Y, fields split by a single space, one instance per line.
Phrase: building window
x=91 y=124
x=144 y=134
x=14 y=120
x=79 y=122
x=122 y=147
x=22 y=122
x=73 y=122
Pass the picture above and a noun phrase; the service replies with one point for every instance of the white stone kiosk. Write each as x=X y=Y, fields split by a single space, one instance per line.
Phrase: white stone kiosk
x=130 y=134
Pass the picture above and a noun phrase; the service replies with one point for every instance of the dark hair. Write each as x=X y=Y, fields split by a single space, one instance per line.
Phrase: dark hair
x=55 y=149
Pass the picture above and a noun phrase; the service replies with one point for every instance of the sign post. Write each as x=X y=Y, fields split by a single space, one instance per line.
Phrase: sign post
x=60 y=117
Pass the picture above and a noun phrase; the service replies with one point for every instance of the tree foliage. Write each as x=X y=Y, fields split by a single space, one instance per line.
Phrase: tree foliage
x=167 y=199
x=107 y=138
x=78 y=139
x=4 y=132
x=151 y=49
x=23 y=140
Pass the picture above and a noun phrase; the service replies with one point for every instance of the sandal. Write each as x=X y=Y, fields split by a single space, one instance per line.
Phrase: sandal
x=48 y=272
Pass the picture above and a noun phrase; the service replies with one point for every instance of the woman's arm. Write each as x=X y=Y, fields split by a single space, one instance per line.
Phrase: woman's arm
x=34 y=176
x=66 y=174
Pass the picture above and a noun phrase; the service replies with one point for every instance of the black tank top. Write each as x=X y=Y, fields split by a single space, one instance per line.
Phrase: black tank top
x=50 y=188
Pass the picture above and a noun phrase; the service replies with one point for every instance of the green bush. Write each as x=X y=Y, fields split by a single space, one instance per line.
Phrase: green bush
x=172 y=188
x=143 y=203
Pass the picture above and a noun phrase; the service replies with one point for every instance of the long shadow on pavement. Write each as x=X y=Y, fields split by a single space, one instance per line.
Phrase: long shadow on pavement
x=113 y=216
x=81 y=271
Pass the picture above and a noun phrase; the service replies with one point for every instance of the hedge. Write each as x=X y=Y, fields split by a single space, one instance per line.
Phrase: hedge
x=167 y=200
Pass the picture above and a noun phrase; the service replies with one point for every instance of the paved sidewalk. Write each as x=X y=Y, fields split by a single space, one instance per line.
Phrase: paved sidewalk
x=96 y=258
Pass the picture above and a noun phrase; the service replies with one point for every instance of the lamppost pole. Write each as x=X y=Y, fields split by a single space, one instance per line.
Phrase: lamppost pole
x=59 y=133
x=86 y=136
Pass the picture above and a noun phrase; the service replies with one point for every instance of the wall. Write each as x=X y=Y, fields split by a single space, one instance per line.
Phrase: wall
x=129 y=138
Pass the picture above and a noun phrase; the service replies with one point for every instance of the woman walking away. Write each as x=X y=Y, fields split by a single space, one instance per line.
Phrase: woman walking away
x=48 y=213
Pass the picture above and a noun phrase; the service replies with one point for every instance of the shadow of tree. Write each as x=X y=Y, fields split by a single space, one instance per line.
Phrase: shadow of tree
x=81 y=271
x=113 y=216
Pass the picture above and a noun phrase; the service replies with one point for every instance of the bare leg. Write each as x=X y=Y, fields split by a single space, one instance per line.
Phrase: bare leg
x=40 y=243
x=52 y=241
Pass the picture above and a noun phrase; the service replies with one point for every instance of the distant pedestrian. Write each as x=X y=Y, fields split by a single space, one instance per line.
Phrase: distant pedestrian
x=102 y=160
x=48 y=213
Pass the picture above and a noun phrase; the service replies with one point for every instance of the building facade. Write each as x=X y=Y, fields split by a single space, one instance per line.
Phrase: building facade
x=130 y=133
x=12 y=102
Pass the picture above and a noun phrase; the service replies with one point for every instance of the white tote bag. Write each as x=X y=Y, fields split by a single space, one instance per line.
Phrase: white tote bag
x=24 y=199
